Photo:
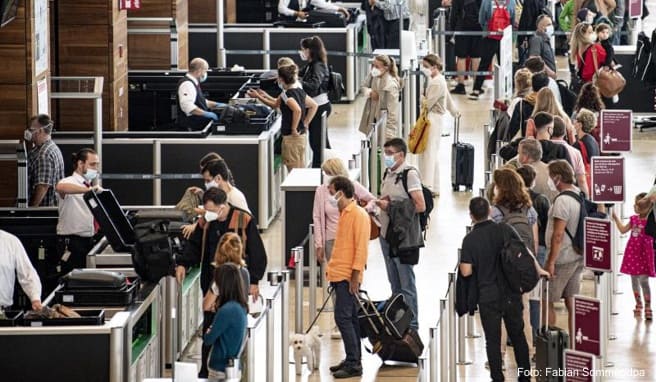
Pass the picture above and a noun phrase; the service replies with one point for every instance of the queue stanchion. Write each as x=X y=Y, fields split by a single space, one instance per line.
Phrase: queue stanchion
x=270 y=340
x=324 y=135
x=284 y=327
x=441 y=28
x=462 y=350
x=365 y=147
x=313 y=272
x=444 y=341
x=452 y=326
x=486 y=141
x=413 y=96
x=471 y=327
x=404 y=125
x=481 y=191
x=433 y=346
x=297 y=252
x=601 y=292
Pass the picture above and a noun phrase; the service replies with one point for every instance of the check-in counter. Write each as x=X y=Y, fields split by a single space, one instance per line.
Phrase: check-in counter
x=126 y=348
x=637 y=95
x=252 y=46
x=157 y=170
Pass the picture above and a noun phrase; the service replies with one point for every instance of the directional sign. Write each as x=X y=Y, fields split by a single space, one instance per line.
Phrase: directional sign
x=616 y=130
x=635 y=9
x=607 y=179
x=587 y=325
x=597 y=244
x=579 y=366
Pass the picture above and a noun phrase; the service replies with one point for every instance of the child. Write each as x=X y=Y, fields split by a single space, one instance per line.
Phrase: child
x=603 y=34
x=638 y=261
x=229 y=250
x=228 y=329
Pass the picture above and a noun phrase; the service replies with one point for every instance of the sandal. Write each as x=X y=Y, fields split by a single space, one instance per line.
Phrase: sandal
x=637 y=312
x=648 y=314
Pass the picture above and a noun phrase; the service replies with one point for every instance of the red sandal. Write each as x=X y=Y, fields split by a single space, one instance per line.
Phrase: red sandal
x=648 y=314
x=637 y=312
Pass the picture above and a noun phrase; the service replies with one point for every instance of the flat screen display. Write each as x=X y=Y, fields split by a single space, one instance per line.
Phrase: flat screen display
x=8 y=9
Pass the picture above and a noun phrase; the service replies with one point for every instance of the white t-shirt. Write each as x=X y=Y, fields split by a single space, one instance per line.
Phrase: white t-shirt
x=565 y=208
x=14 y=261
x=75 y=217
x=237 y=199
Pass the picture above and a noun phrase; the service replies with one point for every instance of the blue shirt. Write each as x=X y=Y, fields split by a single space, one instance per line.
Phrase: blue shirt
x=226 y=334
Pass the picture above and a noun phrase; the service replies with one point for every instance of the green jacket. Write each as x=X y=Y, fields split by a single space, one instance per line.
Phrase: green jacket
x=566 y=16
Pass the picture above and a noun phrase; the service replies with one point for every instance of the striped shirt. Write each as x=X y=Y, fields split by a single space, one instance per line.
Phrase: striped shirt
x=46 y=166
x=391 y=9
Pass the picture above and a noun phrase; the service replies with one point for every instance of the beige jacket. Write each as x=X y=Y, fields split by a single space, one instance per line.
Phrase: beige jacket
x=388 y=89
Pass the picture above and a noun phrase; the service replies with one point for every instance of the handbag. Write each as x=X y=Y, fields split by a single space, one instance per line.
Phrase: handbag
x=418 y=137
x=374 y=230
x=609 y=81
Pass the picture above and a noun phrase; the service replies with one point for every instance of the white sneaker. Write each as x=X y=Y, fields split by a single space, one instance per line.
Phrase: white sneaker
x=335 y=334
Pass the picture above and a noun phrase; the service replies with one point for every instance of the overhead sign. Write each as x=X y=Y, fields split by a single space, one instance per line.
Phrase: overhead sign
x=41 y=37
x=607 y=179
x=579 y=366
x=597 y=244
x=587 y=325
x=616 y=130
x=635 y=9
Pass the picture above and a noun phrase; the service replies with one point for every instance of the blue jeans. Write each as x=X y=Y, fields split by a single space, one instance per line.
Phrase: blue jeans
x=617 y=32
x=346 y=317
x=402 y=280
x=535 y=305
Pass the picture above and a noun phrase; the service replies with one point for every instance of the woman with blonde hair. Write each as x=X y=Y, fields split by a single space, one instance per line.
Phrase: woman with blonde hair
x=437 y=100
x=381 y=88
x=229 y=250
x=522 y=88
x=584 y=49
x=546 y=102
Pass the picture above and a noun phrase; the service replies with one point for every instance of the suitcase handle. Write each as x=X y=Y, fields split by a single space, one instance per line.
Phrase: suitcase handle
x=544 y=299
x=456 y=129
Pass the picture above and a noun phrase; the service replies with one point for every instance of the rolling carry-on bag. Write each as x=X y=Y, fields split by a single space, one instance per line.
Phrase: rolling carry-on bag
x=549 y=345
x=462 y=161
x=406 y=349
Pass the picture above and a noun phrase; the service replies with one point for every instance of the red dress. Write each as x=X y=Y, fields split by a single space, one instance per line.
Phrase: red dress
x=638 y=257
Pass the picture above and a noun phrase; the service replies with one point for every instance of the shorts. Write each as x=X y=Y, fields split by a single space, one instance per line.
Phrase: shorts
x=293 y=151
x=567 y=282
x=467 y=46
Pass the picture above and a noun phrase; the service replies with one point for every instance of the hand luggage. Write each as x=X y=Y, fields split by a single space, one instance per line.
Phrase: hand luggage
x=407 y=349
x=95 y=287
x=329 y=18
x=462 y=161
x=550 y=343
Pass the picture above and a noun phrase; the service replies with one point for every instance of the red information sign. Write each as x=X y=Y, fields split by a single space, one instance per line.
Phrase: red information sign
x=587 y=325
x=635 y=9
x=579 y=366
x=616 y=130
x=129 y=4
x=607 y=179
x=597 y=244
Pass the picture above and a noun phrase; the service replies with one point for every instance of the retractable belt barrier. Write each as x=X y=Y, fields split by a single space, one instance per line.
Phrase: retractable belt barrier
x=150 y=176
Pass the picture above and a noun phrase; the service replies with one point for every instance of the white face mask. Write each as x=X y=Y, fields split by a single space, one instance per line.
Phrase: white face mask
x=211 y=184
x=203 y=78
x=551 y=185
x=91 y=174
x=211 y=216
x=327 y=179
x=550 y=30
x=304 y=56
x=334 y=201
x=426 y=71
x=376 y=72
x=592 y=38
x=27 y=135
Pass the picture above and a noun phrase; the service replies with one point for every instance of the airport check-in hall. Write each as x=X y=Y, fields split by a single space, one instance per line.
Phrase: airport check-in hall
x=317 y=190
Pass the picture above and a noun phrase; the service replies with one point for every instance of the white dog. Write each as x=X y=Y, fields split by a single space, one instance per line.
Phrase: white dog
x=308 y=346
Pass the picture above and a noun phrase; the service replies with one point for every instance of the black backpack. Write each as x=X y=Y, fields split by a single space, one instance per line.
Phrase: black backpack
x=424 y=217
x=500 y=133
x=153 y=256
x=335 y=86
x=567 y=97
x=588 y=209
x=517 y=262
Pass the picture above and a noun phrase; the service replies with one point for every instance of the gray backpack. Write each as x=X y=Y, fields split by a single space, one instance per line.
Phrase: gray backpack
x=518 y=219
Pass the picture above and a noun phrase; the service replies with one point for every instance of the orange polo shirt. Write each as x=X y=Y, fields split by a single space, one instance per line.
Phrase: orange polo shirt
x=351 y=244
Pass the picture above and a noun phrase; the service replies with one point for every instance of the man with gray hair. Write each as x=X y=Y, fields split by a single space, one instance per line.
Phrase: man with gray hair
x=45 y=162
x=530 y=153
x=194 y=111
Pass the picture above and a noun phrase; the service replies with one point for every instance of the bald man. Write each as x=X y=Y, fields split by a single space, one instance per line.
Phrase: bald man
x=194 y=111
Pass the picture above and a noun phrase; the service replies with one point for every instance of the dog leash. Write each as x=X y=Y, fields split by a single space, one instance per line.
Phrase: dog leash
x=330 y=293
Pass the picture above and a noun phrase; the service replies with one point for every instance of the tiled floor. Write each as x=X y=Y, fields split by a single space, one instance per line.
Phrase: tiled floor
x=634 y=347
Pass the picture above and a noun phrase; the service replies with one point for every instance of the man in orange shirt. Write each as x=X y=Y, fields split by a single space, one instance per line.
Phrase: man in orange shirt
x=345 y=270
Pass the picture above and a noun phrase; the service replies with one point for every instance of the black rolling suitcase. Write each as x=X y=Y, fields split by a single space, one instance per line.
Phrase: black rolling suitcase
x=462 y=161
x=549 y=345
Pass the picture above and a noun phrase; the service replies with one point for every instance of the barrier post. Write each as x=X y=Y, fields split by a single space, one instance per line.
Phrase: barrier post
x=441 y=28
x=486 y=141
x=444 y=341
x=220 y=48
x=451 y=312
x=405 y=103
x=298 y=274
x=270 y=340
x=462 y=322
x=313 y=272
x=471 y=327
x=601 y=292
x=250 y=355
x=324 y=135
x=413 y=97
x=364 y=162
x=432 y=353
x=373 y=160
x=284 y=335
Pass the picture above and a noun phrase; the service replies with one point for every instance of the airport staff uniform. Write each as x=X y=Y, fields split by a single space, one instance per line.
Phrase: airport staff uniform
x=288 y=8
x=14 y=261
x=190 y=97
x=75 y=228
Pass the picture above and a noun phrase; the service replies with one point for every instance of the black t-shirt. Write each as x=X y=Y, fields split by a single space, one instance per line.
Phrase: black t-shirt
x=299 y=96
x=541 y=205
x=481 y=248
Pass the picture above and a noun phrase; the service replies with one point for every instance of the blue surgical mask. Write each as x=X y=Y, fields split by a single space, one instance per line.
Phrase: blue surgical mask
x=91 y=174
x=203 y=78
x=389 y=160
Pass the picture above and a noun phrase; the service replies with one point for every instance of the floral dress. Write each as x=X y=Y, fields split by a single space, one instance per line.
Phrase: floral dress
x=639 y=253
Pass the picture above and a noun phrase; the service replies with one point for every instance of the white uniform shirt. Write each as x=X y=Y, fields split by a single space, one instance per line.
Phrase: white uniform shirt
x=14 y=260
x=187 y=94
x=283 y=6
x=236 y=198
x=75 y=217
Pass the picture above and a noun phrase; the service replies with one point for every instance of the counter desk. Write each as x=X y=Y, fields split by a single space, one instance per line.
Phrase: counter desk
x=126 y=348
